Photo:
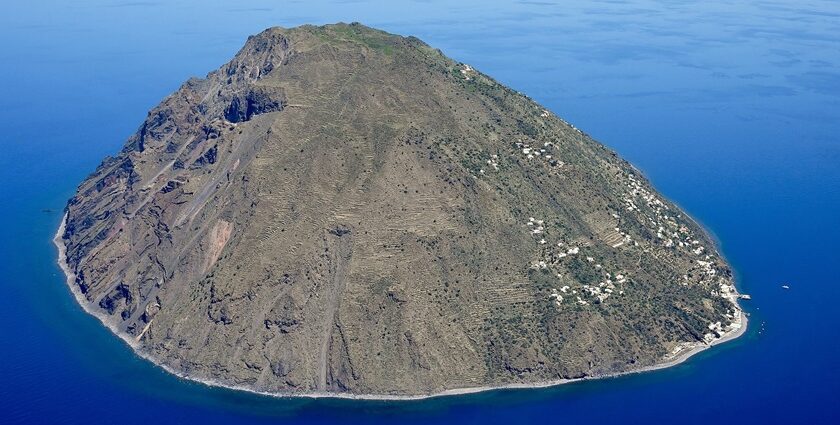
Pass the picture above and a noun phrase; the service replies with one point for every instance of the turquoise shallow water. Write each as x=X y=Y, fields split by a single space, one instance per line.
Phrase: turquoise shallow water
x=732 y=110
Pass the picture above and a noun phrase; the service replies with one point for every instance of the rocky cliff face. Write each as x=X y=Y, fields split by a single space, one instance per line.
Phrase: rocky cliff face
x=339 y=209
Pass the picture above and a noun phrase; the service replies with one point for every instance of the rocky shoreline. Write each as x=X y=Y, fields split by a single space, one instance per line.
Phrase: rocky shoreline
x=680 y=357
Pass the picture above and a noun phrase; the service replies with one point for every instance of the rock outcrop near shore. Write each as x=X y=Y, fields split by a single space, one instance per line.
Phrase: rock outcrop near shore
x=342 y=210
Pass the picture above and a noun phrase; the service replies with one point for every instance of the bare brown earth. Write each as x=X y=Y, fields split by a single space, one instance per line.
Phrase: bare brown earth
x=342 y=210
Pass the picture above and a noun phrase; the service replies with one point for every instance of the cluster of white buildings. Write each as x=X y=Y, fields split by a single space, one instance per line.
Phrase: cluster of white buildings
x=668 y=230
x=494 y=162
x=676 y=236
x=467 y=71
x=608 y=286
x=537 y=226
x=543 y=152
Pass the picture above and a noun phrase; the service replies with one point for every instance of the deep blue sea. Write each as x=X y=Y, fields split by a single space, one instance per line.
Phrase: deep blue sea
x=731 y=108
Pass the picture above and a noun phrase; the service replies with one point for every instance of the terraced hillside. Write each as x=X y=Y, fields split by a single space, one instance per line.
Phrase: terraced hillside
x=338 y=209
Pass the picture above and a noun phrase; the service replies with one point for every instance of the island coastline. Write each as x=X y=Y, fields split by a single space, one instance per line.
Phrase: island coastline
x=678 y=358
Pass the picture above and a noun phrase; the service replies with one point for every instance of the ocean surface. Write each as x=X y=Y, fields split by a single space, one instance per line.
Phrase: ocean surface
x=731 y=108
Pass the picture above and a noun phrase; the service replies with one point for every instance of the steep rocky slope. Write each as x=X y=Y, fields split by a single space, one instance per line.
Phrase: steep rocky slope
x=339 y=209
